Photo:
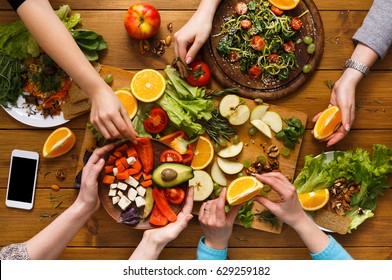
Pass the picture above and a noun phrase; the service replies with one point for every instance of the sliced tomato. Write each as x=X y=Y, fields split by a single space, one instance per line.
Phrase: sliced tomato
x=200 y=74
x=276 y=11
x=246 y=23
x=257 y=43
x=241 y=8
x=296 y=23
x=273 y=58
x=175 y=195
x=157 y=121
x=254 y=72
x=289 y=46
x=170 y=155
x=233 y=56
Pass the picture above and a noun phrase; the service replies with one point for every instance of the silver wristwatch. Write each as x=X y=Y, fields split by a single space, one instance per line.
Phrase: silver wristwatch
x=357 y=66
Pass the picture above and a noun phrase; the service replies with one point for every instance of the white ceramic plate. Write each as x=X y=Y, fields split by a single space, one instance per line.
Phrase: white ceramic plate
x=21 y=114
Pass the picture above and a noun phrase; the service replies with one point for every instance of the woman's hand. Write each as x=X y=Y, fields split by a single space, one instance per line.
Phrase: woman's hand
x=88 y=194
x=215 y=223
x=109 y=116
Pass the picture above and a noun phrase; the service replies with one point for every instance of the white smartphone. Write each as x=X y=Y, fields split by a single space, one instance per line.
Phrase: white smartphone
x=22 y=179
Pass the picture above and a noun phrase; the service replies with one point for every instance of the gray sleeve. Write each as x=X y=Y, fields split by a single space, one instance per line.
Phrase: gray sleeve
x=14 y=252
x=376 y=29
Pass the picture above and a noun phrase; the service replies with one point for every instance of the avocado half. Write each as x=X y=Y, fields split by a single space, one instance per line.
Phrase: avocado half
x=169 y=175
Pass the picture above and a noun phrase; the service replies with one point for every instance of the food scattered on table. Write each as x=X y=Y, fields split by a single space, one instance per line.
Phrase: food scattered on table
x=59 y=142
x=232 y=108
x=354 y=182
x=128 y=100
x=202 y=185
x=148 y=85
x=243 y=189
x=203 y=153
x=327 y=123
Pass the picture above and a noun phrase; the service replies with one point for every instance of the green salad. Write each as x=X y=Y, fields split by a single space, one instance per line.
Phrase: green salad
x=261 y=39
x=371 y=173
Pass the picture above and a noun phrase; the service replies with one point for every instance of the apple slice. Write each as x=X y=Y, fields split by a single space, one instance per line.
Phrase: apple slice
x=258 y=112
x=217 y=175
x=231 y=151
x=263 y=127
x=202 y=185
x=232 y=108
x=229 y=167
x=274 y=120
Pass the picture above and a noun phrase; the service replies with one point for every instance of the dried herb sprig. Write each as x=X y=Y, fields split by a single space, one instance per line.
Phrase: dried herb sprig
x=218 y=93
x=218 y=127
x=44 y=215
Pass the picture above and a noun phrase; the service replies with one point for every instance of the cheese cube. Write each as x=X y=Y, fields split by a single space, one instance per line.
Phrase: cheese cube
x=115 y=199
x=124 y=202
x=122 y=186
x=115 y=171
x=140 y=201
x=141 y=190
x=131 y=160
x=112 y=192
x=113 y=186
x=132 y=193
x=132 y=181
x=120 y=193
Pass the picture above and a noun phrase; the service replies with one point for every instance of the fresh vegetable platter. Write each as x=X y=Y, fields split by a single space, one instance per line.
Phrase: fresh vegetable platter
x=254 y=145
x=230 y=74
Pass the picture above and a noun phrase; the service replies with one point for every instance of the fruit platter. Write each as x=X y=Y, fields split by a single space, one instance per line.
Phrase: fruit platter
x=253 y=140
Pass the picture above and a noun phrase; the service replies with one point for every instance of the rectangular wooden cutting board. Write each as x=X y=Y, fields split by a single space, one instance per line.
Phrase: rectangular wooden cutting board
x=254 y=146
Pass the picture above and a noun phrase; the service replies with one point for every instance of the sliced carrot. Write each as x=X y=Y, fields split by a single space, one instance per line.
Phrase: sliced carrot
x=120 y=168
x=111 y=160
x=123 y=148
x=147 y=176
x=109 y=169
x=146 y=183
x=108 y=179
x=137 y=176
x=117 y=154
x=124 y=162
x=133 y=171
x=137 y=165
x=118 y=162
x=131 y=152
x=123 y=175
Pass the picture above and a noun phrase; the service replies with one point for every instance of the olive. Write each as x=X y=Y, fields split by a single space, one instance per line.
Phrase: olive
x=168 y=174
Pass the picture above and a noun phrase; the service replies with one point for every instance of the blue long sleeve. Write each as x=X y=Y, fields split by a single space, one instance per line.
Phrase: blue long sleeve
x=333 y=251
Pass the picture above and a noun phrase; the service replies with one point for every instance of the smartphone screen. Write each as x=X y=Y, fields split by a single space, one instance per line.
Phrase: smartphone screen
x=22 y=179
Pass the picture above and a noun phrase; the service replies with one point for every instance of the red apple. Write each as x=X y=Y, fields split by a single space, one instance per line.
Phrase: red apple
x=142 y=21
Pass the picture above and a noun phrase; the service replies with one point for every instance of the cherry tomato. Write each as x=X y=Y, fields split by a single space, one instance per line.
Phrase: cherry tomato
x=199 y=75
x=276 y=11
x=241 y=8
x=273 y=58
x=175 y=195
x=296 y=23
x=157 y=121
x=246 y=23
x=289 y=46
x=257 y=43
x=233 y=56
x=254 y=72
x=170 y=155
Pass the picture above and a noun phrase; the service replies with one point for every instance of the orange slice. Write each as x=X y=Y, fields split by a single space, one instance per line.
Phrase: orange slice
x=148 y=85
x=59 y=142
x=204 y=153
x=128 y=100
x=314 y=200
x=285 y=4
x=329 y=120
x=243 y=189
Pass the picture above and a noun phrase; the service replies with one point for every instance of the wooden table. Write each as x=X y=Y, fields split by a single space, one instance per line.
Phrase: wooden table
x=102 y=238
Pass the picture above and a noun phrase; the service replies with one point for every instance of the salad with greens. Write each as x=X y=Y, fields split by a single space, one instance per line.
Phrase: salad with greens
x=260 y=37
x=371 y=173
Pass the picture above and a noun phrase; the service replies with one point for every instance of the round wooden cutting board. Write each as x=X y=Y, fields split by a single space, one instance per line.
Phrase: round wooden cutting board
x=229 y=74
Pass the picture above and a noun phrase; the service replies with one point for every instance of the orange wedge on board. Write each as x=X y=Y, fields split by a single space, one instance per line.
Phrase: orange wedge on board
x=128 y=100
x=203 y=153
x=59 y=142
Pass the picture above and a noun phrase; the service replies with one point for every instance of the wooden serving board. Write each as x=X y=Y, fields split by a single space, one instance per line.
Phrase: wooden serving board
x=230 y=75
x=253 y=145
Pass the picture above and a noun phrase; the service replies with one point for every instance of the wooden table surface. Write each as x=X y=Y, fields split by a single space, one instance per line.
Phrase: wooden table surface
x=102 y=238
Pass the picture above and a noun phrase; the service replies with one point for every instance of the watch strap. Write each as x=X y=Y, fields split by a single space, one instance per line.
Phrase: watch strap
x=357 y=66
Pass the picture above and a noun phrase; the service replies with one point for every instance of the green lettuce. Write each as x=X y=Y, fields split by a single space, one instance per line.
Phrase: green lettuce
x=356 y=166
